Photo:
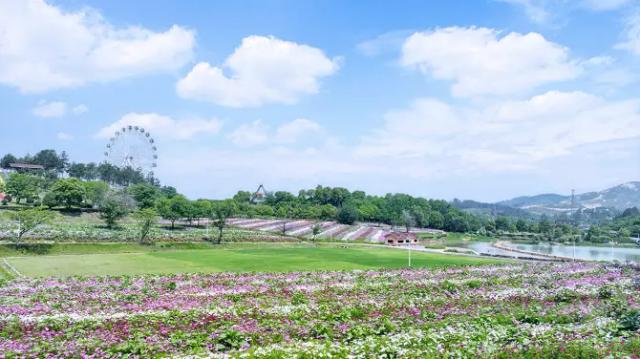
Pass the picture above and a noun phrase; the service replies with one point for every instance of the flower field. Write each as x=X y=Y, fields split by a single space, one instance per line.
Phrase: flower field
x=65 y=231
x=536 y=310
x=328 y=229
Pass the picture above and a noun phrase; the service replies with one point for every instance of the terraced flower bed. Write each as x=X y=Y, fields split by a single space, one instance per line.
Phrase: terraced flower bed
x=540 y=310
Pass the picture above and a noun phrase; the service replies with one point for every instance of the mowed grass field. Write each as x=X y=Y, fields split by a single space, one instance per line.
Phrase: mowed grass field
x=256 y=259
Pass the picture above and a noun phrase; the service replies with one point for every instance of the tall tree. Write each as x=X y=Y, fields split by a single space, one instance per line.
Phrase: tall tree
x=173 y=209
x=95 y=192
x=144 y=194
x=23 y=186
x=69 y=192
x=7 y=160
x=115 y=206
x=221 y=212
x=27 y=220
x=145 y=219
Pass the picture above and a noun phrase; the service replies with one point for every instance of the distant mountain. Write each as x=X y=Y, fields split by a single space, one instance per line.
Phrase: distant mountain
x=491 y=209
x=619 y=198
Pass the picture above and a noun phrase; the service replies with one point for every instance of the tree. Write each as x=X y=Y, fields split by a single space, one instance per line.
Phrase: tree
x=201 y=209
x=116 y=205
x=51 y=161
x=521 y=225
x=2 y=185
x=328 y=211
x=144 y=194
x=222 y=211
x=95 y=192
x=242 y=197
x=502 y=223
x=23 y=186
x=50 y=200
x=347 y=215
x=408 y=220
x=436 y=220
x=7 y=160
x=168 y=191
x=27 y=220
x=173 y=209
x=544 y=225
x=77 y=170
x=264 y=210
x=145 y=218
x=68 y=192
x=316 y=229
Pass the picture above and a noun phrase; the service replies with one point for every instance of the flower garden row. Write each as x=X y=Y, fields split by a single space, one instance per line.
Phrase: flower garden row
x=304 y=228
x=489 y=311
x=63 y=231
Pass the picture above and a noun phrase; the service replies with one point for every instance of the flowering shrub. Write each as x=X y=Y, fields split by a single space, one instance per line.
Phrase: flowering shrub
x=488 y=311
x=65 y=231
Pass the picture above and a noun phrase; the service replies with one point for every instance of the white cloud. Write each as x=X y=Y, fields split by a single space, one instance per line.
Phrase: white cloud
x=535 y=10
x=251 y=134
x=164 y=126
x=389 y=41
x=261 y=70
x=547 y=11
x=52 y=109
x=80 y=109
x=604 y=5
x=504 y=136
x=63 y=136
x=43 y=47
x=55 y=109
x=631 y=35
x=297 y=130
x=480 y=61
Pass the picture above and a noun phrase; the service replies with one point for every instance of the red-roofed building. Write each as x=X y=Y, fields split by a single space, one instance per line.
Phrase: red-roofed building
x=399 y=238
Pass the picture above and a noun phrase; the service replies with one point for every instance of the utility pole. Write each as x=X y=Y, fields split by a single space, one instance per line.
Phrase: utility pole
x=573 y=202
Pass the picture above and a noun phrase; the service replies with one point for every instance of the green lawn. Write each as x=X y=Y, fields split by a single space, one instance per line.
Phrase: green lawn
x=264 y=259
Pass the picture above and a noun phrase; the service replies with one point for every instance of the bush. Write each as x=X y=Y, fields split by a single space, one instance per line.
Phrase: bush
x=347 y=215
x=630 y=320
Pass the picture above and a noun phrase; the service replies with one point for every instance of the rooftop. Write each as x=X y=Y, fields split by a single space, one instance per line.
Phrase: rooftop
x=28 y=166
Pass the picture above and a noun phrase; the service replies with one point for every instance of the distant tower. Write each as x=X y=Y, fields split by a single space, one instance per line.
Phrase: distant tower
x=259 y=195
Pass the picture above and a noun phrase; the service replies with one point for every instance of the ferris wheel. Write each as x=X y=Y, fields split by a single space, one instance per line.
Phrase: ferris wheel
x=133 y=146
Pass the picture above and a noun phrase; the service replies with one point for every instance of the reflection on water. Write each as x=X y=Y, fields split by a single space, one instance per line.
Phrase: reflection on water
x=488 y=248
x=583 y=252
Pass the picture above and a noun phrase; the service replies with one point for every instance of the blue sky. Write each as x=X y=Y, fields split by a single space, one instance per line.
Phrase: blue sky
x=469 y=99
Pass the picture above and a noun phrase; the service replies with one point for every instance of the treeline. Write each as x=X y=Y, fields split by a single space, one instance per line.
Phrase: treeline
x=348 y=207
x=55 y=165
x=621 y=228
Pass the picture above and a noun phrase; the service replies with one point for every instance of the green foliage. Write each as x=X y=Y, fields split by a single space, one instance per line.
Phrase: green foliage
x=347 y=215
x=23 y=186
x=68 y=192
x=173 y=208
x=116 y=205
x=144 y=194
x=145 y=219
x=630 y=320
x=222 y=210
x=27 y=220
x=316 y=229
x=95 y=192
